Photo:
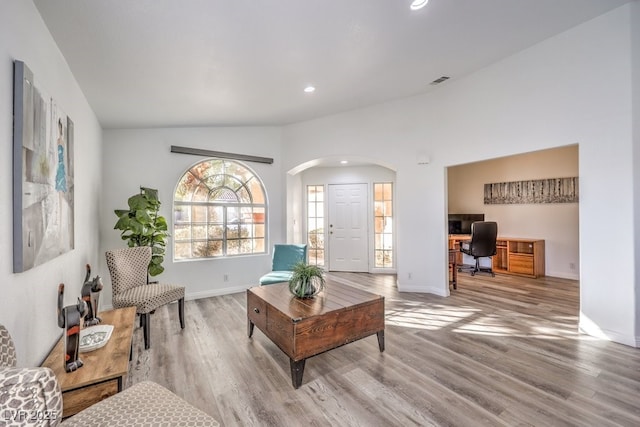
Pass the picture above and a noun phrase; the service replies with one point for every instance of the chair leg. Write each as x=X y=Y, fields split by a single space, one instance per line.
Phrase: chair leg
x=479 y=269
x=181 y=312
x=476 y=268
x=146 y=320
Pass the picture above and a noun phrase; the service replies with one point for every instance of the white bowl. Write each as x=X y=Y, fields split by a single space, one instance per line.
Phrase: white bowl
x=94 y=337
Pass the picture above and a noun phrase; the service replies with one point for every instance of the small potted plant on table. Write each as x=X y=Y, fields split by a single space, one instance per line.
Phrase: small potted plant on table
x=306 y=281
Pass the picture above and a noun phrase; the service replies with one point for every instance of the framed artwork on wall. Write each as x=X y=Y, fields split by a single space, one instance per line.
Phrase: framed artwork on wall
x=551 y=190
x=43 y=186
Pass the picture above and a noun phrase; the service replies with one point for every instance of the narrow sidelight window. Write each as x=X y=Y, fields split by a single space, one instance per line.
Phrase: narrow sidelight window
x=383 y=224
x=315 y=224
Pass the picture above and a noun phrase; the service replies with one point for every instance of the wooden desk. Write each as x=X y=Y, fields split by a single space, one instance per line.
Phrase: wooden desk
x=514 y=255
x=303 y=328
x=104 y=369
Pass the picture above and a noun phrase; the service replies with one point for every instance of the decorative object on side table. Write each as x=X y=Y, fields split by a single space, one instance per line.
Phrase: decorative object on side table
x=69 y=319
x=94 y=337
x=306 y=281
x=91 y=295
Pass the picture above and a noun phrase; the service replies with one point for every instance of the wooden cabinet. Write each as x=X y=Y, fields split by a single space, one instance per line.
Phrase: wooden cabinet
x=524 y=257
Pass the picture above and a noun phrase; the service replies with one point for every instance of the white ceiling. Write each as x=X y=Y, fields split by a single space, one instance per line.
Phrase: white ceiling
x=158 y=63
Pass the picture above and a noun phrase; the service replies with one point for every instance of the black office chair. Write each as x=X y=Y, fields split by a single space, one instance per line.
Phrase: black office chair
x=482 y=244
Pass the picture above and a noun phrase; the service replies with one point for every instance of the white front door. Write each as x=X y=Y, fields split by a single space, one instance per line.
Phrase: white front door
x=348 y=236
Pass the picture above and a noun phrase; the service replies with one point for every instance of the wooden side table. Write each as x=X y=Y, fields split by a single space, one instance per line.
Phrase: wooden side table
x=104 y=369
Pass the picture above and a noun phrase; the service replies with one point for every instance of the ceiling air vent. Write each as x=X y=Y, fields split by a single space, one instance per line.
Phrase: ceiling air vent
x=440 y=80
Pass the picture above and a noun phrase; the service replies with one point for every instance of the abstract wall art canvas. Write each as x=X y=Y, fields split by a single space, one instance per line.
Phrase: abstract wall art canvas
x=551 y=190
x=43 y=187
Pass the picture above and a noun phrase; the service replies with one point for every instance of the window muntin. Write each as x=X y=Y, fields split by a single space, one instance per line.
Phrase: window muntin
x=315 y=224
x=383 y=224
x=219 y=210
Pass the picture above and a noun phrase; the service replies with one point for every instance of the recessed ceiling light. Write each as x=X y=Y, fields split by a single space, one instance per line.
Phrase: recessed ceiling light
x=418 y=4
x=344 y=162
x=310 y=89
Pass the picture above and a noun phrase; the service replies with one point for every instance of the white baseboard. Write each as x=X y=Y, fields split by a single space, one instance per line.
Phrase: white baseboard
x=423 y=289
x=216 y=292
x=204 y=294
x=590 y=329
x=563 y=275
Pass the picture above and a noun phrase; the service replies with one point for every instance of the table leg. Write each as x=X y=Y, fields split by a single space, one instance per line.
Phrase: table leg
x=455 y=276
x=249 y=328
x=381 y=340
x=297 y=370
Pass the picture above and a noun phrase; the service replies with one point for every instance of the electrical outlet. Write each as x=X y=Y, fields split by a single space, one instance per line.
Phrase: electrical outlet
x=409 y=276
x=226 y=277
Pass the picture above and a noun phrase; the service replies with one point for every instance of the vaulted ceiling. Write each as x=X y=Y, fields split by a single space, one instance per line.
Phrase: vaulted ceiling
x=157 y=63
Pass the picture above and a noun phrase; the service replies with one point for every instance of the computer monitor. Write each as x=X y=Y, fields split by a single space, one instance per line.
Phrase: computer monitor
x=461 y=223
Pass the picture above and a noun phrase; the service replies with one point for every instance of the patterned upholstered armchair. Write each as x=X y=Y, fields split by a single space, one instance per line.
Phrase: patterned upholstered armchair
x=32 y=397
x=130 y=288
x=27 y=395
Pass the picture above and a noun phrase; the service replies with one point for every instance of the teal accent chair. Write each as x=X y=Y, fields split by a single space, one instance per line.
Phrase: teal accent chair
x=284 y=258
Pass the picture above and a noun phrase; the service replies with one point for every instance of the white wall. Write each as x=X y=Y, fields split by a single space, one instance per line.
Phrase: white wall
x=557 y=223
x=572 y=88
x=28 y=301
x=134 y=158
x=635 y=57
x=346 y=175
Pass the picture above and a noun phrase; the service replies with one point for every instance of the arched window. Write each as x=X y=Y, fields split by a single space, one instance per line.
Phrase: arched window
x=219 y=210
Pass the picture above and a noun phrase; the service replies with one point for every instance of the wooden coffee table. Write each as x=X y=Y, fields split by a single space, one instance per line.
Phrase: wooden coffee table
x=303 y=328
x=104 y=369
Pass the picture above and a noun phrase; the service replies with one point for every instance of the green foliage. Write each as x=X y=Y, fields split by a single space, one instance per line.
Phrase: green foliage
x=307 y=280
x=142 y=225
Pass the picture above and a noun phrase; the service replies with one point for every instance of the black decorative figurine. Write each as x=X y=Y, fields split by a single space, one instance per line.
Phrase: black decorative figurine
x=91 y=295
x=69 y=319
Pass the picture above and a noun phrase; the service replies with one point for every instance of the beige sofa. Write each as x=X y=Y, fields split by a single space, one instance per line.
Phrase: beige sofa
x=32 y=397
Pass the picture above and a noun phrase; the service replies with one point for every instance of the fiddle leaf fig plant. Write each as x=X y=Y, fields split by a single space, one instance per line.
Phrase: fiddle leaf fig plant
x=142 y=225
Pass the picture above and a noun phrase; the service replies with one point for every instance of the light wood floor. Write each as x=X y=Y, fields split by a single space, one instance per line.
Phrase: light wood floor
x=499 y=351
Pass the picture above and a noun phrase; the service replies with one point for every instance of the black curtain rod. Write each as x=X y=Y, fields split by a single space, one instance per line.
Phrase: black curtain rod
x=220 y=154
